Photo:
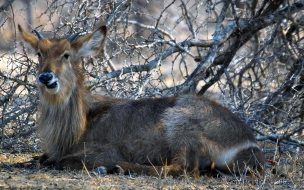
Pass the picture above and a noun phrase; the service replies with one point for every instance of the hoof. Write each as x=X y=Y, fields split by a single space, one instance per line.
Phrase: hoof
x=100 y=170
x=119 y=170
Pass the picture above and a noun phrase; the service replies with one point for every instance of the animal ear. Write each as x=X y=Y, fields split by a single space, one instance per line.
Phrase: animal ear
x=91 y=44
x=29 y=38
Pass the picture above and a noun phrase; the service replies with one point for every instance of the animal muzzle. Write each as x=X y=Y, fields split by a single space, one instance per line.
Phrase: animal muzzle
x=50 y=81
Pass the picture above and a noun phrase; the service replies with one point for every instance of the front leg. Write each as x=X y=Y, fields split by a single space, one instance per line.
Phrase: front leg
x=71 y=162
x=184 y=161
x=173 y=170
x=42 y=158
x=92 y=157
x=45 y=160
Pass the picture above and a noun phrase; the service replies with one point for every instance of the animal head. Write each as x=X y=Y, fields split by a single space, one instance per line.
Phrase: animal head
x=59 y=70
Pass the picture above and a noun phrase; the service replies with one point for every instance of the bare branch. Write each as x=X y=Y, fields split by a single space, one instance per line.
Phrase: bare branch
x=6 y=4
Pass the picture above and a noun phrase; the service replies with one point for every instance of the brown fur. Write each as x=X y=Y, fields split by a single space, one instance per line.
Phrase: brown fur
x=179 y=133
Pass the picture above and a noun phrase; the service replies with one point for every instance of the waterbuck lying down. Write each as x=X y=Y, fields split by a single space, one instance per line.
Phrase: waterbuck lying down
x=177 y=134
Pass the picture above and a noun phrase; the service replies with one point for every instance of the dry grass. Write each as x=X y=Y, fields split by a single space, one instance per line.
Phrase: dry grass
x=287 y=173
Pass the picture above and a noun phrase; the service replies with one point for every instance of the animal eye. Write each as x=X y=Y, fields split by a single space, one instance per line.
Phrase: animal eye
x=38 y=54
x=66 y=55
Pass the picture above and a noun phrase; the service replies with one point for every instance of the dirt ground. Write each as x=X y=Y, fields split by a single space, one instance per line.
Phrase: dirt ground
x=14 y=174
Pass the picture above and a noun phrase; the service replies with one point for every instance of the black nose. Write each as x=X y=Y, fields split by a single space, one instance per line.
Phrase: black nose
x=45 y=78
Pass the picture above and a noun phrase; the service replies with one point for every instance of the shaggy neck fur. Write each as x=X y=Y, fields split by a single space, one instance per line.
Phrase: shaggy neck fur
x=62 y=125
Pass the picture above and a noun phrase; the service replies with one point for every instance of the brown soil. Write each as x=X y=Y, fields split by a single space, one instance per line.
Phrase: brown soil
x=15 y=173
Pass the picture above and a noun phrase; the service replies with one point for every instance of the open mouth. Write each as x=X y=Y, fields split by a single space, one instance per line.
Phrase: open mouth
x=53 y=85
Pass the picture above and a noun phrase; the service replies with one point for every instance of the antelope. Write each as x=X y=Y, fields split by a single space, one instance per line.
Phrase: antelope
x=146 y=136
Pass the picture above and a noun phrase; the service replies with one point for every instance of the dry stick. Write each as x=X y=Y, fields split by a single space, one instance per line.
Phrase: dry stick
x=291 y=49
x=276 y=137
x=6 y=4
x=289 y=82
x=16 y=137
x=154 y=168
x=188 y=20
x=85 y=168
x=19 y=82
x=171 y=42
x=162 y=12
x=247 y=28
x=189 y=23
x=156 y=62
x=248 y=66
x=212 y=6
x=110 y=63
x=195 y=76
x=15 y=114
x=119 y=9
x=134 y=22
x=116 y=13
